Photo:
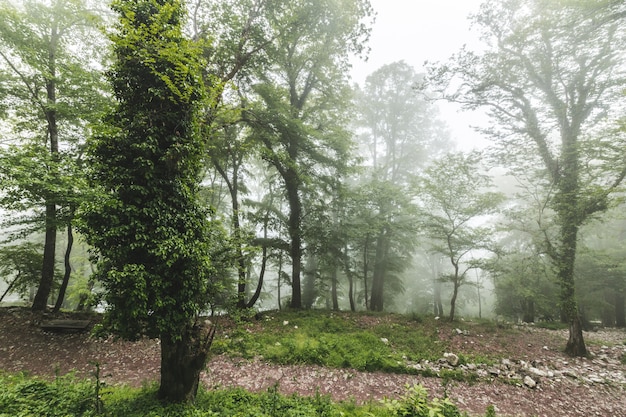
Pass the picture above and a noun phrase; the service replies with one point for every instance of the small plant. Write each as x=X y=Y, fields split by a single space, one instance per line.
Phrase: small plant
x=414 y=403
x=491 y=411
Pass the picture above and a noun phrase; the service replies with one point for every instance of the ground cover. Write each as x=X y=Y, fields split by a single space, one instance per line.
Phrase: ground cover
x=357 y=358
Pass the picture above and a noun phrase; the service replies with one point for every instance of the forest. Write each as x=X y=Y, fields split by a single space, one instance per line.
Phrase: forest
x=164 y=161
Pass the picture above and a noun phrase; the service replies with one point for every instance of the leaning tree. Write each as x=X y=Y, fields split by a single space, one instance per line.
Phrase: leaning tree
x=552 y=79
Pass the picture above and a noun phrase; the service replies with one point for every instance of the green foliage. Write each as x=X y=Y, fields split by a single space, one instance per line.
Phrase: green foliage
x=26 y=396
x=335 y=340
x=152 y=235
x=20 y=266
x=415 y=403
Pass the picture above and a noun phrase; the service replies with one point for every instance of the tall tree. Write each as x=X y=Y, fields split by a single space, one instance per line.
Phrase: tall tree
x=299 y=118
x=53 y=92
x=153 y=237
x=400 y=131
x=552 y=78
x=454 y=195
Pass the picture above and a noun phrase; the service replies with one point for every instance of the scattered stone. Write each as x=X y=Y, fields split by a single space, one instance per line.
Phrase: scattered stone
x=451 y=358
x=529 y=382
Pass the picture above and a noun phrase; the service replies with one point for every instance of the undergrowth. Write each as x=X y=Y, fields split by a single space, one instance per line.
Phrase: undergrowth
x=24 y=396
x=334 y=340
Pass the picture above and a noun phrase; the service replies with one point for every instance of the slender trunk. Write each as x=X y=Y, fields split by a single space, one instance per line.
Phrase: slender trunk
x=529 y=311
x=455 y=293
x=365 y=268
x=259 y=286
x=295 y=249
x=350 y=279
x=437 y=303
x=380 y=269
x=90 y=284
x=47 y=271
x=334 y=290
x=280 y=272
x=68 y=268
x=620 y=312
x=10 y=287
x=182 y=360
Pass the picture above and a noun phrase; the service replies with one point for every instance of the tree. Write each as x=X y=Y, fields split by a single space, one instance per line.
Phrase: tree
x=454 y=197
x=53 y=91
x=299 y=116
x=552 y=79
x=399 y=132
x=154 y=239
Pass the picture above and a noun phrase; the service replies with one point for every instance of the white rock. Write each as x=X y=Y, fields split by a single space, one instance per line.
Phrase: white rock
x=529 y=382
x=451 y=358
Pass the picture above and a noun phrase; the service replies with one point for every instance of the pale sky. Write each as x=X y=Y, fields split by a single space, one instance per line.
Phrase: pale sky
x=420 y=30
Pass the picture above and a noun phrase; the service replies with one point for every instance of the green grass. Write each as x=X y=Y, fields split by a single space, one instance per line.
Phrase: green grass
x=25 y=396
x=338 y=340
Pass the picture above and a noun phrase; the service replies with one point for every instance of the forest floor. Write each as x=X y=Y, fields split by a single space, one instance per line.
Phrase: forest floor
x=565 y=387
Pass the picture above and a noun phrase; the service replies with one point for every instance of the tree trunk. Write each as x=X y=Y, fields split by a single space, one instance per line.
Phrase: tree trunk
x=365 y=277
x=334 y=290
x=576 y=343
x=529 y=310
x=437 y=304
x=4 y=294
x=259 y=286
x=47 y=272
x=348 y=272
x=380 y=269
x=620 y=312
x=68 y=268
x=280 y=271
x=295 y=249
x=181 y=363
x=455 y=293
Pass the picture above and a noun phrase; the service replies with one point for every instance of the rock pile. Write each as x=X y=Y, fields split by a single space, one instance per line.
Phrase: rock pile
x=604 y=366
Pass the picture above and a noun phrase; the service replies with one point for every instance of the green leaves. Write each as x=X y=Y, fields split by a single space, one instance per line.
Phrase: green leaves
x=153 y=237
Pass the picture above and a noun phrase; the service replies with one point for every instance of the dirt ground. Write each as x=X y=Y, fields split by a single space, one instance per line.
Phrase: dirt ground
x=582 y=387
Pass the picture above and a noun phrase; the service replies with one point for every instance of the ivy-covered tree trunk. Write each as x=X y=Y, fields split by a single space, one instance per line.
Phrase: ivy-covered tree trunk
x=154 y=238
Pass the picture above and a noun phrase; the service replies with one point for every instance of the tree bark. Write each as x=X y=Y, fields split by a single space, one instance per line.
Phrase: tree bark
x=40 y=302
x=181 y=363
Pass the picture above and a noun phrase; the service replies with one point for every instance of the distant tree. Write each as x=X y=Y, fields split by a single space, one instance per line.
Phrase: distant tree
x=552 y=78
x=454 y=197
x=154 y=239
x=399 y=132
x=53 y=88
